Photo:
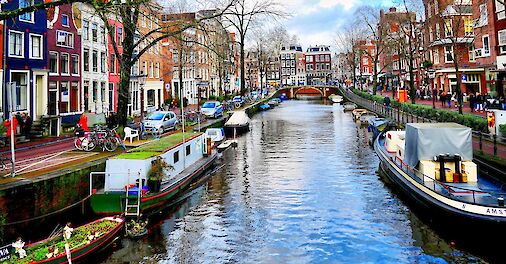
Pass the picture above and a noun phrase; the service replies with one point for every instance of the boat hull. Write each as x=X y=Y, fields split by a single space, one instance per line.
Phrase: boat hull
x=239 y=130
x=433 y=204
x=113 y=203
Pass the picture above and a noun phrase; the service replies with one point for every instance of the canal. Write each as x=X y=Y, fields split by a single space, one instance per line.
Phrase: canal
x=301 y=187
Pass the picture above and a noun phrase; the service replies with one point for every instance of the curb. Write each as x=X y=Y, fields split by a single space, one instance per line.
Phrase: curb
x=39 y=145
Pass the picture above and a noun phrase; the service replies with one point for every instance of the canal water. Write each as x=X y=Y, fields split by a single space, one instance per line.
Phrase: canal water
x=301 y=187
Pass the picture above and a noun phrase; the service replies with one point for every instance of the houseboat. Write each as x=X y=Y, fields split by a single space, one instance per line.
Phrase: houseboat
x=432 y=164
x=148 y=176
x=237 y=124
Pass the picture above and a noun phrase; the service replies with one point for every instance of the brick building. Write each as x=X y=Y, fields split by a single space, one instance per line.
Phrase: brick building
x=318 y=60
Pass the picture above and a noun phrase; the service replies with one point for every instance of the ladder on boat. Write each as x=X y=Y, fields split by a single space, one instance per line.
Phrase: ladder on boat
x=133 y=204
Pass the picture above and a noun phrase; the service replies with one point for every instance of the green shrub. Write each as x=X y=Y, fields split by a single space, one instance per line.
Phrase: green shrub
x=502 y=129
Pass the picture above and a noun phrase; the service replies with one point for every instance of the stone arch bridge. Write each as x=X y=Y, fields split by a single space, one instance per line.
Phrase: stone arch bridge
x=313 y=91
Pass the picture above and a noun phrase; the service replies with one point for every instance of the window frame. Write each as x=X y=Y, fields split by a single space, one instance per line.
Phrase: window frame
x=57 y=72
x=22 y=51
x=67 y=34
x=31 y=14
x=68 y=20
x=72 y=63
x=62 y=54
x=30 y=46
x=485 y=54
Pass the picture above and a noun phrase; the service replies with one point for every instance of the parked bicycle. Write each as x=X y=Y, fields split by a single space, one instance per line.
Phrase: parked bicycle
x=102 y=137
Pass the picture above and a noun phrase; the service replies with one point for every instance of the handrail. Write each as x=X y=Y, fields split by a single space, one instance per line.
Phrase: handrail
x=406 y=168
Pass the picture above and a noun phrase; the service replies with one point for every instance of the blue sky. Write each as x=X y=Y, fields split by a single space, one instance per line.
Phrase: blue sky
x=318 y=21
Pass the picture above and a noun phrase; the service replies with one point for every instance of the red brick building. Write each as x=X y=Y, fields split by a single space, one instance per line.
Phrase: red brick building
x=499 y=15
x=367 y=49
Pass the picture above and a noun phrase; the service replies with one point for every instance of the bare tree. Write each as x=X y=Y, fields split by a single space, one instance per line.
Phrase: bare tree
x=348 y=42
x=242 y=15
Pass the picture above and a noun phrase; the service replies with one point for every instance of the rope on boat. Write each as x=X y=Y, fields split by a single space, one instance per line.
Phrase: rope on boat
x=49 y=214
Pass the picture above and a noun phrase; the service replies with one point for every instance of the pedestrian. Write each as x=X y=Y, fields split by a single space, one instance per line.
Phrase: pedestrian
x=418 y=93
x=21 y=122
x=442 y=96
x=27 y=124
x=83 y=121
x=479 y=103
x=472 y=101
x=449 y=99
x=386 y=101
x=11 y=131
x=111 y=120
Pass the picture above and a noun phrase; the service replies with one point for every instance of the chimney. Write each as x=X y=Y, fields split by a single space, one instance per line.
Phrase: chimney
x=392 y=10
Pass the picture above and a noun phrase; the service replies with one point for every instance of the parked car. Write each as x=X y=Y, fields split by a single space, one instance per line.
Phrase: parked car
x=238 y=101
x=160 y=121
x=212 y=109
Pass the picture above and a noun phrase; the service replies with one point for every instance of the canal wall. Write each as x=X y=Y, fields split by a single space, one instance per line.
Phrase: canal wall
x=48 y=199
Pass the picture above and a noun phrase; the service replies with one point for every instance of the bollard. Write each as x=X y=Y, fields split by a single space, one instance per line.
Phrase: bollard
x=481 y=143
x=495 y=145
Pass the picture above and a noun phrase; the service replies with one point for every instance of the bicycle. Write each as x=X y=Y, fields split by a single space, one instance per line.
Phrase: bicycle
x=3 y=164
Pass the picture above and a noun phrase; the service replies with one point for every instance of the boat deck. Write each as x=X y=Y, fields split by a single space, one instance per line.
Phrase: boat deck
x=485 y=191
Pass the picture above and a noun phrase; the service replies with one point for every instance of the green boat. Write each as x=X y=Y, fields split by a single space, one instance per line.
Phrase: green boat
x=126 y=186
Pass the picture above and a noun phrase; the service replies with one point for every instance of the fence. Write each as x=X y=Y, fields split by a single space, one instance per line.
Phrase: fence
x=488 y=144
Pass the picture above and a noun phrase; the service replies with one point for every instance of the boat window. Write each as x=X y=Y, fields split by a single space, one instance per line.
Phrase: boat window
x=188 y=150
x=176 y=157
x=155 y=116
x=212 y=133
x=209 y=105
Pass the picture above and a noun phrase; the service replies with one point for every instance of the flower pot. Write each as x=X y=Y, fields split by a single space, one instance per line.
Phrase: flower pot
x=154 y=185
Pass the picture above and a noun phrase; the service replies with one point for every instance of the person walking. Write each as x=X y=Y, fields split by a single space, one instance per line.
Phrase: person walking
x=449 y=99
x=443 y=98
x=27 y=123
x=479 y=103
x=386 y=102
x=472 y=101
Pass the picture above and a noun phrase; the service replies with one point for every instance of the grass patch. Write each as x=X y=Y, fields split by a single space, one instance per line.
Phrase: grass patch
x=138 y=155
x=163 y=143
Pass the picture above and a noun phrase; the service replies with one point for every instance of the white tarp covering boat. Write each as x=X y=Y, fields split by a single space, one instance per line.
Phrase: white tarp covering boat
x=426 y=140
x=238 y=119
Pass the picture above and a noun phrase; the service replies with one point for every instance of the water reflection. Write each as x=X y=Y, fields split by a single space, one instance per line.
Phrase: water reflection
x=301 y=187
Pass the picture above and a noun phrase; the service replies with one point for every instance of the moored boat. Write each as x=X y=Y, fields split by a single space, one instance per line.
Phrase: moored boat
x=336 y=98
x=217 y=135
x=377 y=125
x=130 y=184
x=237 y=124
x=364 y=118
x=349 y=106
x=447 y=185
x=84 y=241
x=356 y=113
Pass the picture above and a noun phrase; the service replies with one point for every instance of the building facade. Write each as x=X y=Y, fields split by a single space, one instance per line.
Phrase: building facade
x=318 y=65
x=289 y=55
x=26 y=61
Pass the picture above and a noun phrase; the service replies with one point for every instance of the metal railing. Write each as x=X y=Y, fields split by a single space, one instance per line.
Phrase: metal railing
x=484 y=142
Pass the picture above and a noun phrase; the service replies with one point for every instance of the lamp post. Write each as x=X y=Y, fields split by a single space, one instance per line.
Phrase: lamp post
x=142 y=80
x=197 y=82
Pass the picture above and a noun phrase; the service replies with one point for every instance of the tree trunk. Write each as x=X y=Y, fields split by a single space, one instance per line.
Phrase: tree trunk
x=243 y=90
x=123 y=95
x=180 y=76
x=375 y=77
x=458 y=92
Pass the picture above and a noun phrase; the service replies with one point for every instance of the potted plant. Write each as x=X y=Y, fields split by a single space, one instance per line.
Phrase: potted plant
x=156 y=173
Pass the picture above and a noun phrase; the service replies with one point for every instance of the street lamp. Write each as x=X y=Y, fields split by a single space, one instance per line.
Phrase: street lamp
x=142 y=80
x=197 y=81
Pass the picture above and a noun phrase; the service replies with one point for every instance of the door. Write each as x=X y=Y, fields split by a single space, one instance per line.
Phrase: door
x=53 y=110
x=40 y=95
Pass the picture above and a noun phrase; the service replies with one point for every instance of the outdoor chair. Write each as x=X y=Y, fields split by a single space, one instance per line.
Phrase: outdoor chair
x=131 y=133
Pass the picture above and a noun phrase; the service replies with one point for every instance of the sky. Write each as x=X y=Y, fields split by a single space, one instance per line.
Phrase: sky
x=317 y=22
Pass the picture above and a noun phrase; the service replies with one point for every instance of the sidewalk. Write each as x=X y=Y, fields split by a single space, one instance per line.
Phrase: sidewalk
x=465 y=105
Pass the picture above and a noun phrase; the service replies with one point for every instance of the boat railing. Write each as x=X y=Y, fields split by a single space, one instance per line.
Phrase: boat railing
x=450 y=191
x=119 y=181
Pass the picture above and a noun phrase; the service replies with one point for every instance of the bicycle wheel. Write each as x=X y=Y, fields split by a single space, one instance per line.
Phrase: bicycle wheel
x=78 y=143
x=88 y=144
x=111 y=144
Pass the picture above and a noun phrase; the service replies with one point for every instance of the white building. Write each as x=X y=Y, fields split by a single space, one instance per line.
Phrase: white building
x=95 y=77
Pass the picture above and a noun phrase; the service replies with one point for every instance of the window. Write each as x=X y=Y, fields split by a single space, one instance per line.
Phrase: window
x=150 y=22
x=143 y=20
x=64 y=99
x=176 y=157
x=53 y=62
x=468 y=26
x=112 y=63
x=16 y=44
x=65 y=64
x=111 y=96
x=483 y=20
x=120 y=36
x=103 y=62
x=486 y=45
x=94 y=61
x=151 y=69
x=102 y=34
x=65 y=20
x=365 y=60
x=175 y=56
x=95 y=91
x=102 y=92
x=438 y=31
x=64 y=39
x=157 y=70
x=86 y=60
x=94 y=32
x=86 y=29
x=471 y=53
x=144 y=68
x=27 y=17
x=21 y=80
x=500 y=10
x=448 y=54
x=188 y=150
x=436 y=7
x=501 y=38
x=448 y=28
x=436 y=56
x=36 y=46
x=75 y=64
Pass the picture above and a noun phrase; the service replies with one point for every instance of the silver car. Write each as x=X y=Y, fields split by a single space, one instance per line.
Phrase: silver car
x=160 y=121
